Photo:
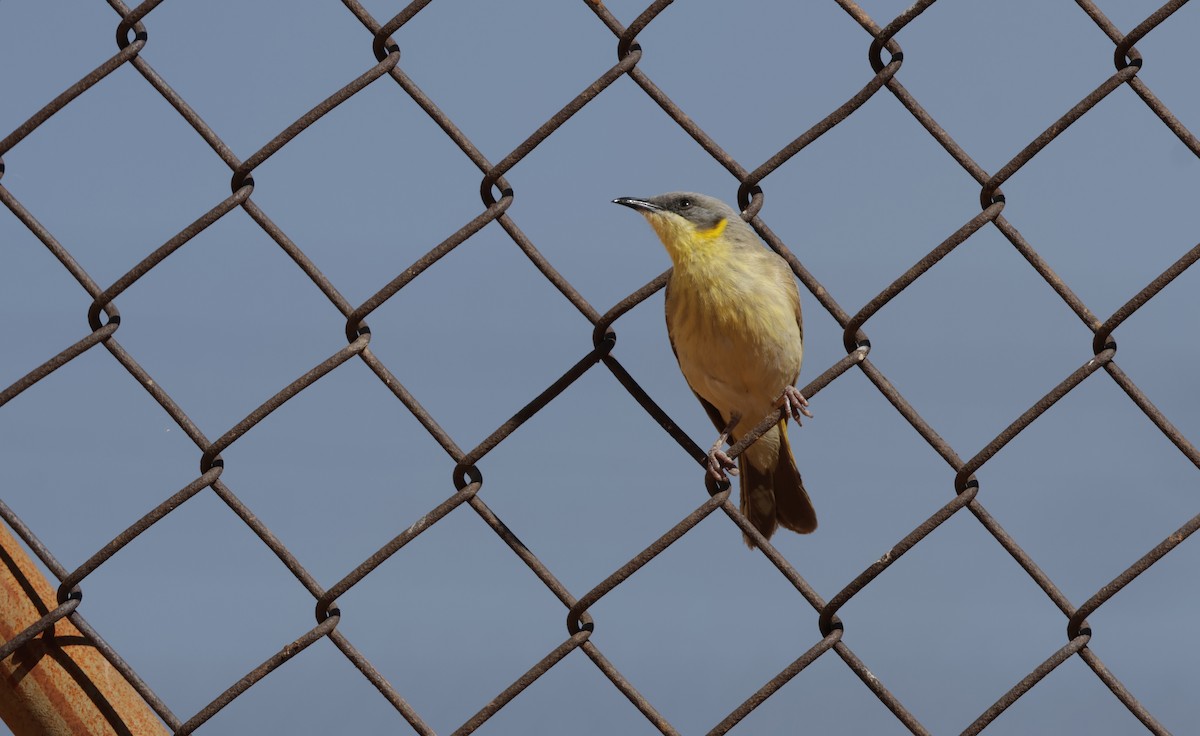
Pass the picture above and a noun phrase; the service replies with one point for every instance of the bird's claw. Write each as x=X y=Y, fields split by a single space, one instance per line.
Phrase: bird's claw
x=719 y=463
x=794 y=404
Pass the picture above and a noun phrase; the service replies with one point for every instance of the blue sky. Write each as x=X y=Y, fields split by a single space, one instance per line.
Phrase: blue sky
x=228 y=320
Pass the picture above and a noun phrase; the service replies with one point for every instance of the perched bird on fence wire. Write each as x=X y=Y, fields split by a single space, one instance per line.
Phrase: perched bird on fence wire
x=733 y=317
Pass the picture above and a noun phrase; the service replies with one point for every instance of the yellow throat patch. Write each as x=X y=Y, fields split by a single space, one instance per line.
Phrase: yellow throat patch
x=687 y=244
x=713 y=232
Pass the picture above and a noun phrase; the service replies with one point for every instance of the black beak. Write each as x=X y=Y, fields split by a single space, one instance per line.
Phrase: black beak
x=638 y=204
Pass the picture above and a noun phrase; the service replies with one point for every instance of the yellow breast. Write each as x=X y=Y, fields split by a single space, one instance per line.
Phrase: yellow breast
x=735 y=332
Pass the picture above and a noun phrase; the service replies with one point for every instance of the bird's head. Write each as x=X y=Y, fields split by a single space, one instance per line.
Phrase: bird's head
x=689 y=224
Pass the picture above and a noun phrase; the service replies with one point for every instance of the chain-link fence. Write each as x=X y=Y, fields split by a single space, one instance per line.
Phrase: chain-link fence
x=886 y=59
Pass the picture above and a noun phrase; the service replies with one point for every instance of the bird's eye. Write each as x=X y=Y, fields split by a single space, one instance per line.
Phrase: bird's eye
x=685 y=203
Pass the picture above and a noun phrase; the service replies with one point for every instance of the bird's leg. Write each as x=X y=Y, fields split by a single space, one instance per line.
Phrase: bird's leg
x=793 y=403
x=718 y=461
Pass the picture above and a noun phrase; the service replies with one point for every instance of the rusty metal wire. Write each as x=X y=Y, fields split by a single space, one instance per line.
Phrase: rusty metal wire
x=885 y=58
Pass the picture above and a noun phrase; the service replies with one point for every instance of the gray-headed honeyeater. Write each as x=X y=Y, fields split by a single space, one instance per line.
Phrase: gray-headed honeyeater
x=733 y=316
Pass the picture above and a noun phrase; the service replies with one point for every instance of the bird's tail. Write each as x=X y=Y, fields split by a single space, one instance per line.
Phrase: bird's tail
x=775 y=496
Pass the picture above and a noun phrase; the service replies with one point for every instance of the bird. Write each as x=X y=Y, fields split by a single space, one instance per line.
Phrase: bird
x=735 y=326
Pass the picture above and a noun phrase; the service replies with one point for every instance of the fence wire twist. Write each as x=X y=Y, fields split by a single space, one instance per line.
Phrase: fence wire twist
x=886 y=58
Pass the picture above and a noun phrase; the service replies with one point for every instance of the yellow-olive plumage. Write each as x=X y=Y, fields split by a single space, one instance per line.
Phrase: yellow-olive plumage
x=733 y=316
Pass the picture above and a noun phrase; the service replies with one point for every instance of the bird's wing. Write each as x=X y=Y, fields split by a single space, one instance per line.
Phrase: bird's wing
x=787 y=281
x=709 y=409
x=713 y=414
x=793 y=293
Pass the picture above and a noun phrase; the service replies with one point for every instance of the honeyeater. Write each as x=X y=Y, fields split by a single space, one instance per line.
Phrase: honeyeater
x=733 y=318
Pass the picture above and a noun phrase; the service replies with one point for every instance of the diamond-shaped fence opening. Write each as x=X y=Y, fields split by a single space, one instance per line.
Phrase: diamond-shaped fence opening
x=497 y=326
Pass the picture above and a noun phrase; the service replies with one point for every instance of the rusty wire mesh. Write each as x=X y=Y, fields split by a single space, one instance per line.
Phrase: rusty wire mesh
x=886 y=59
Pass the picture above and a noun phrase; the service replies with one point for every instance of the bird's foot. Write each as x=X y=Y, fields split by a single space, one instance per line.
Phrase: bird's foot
x=793 y=403
x=719 y=463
